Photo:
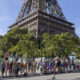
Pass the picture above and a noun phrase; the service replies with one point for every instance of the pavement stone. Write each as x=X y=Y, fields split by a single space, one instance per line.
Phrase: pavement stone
x=67 y=76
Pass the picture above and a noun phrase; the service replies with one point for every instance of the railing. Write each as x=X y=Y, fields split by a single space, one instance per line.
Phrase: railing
x=44 y=15
x=28 y=17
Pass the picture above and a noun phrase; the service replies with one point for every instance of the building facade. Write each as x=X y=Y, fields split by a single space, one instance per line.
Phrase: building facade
x=43 y=16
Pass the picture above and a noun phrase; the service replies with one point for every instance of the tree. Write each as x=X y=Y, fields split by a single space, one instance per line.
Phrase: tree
x=61 y=44
x=12 y=38
x=47 y=49
x=1 y=52
x=77 y=50
x=20 y=41
x=1 y=37
x=27 y=44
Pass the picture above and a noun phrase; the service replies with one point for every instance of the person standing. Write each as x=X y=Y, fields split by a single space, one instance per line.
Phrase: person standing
x=11 y=66
x=59 y=65
x=16 y=68
x=2 y=69
x=7 y=67
x=34 y=67
x=21 y=67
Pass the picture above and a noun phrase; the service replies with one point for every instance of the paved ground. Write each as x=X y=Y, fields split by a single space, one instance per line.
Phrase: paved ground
x=69 y=76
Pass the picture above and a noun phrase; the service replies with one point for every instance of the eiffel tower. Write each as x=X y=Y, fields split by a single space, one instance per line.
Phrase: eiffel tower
x=43 y=16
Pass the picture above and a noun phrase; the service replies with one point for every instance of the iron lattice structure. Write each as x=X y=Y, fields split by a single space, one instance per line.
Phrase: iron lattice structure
x=48 y=6
x=43 y=16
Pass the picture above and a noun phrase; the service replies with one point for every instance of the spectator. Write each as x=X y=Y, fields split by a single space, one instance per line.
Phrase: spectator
x=2 y=69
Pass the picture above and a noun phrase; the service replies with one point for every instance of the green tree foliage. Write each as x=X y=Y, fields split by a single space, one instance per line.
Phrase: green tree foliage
x=78 y=49
x=1 y=52
x=20 y=41
x=61 y=44
x=47 y=49
x=12 y=38
x=27 y=45
x=1 y=37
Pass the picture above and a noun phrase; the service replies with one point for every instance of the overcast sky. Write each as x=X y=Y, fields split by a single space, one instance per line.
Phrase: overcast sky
x=9 y=10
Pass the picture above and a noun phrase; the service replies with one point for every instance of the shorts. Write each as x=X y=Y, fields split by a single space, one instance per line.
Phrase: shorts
x=21 y=69
x=6 y=58
x=7 y=68
x=41 y=69
x=3 y=70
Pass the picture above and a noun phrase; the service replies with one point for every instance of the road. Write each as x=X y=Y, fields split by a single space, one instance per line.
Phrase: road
x=67 y=76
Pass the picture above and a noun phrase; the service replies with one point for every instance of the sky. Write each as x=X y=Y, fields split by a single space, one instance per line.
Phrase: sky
x=9 y=10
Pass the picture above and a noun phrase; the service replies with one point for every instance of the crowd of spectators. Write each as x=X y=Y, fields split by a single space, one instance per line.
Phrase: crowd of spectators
x=32 y=67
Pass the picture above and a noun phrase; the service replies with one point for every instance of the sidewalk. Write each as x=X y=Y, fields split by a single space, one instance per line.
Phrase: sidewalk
x=67 y=76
